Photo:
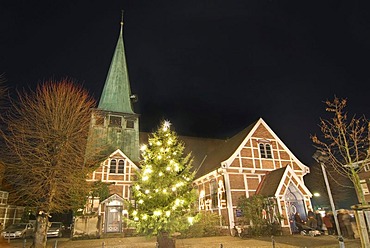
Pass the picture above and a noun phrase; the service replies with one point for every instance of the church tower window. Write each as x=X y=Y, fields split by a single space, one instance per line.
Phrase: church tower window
x=130 y=124
x=115 y=121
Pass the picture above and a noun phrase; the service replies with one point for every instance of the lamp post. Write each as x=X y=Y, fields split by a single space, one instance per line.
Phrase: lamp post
x=321 y=157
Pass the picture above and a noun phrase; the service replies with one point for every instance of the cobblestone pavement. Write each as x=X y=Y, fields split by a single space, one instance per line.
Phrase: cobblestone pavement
x=288 y=241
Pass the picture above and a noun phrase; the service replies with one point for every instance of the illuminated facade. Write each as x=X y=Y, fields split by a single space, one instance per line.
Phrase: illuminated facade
x=254 y=161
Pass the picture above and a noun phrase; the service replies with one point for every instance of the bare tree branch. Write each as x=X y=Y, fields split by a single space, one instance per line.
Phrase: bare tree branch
x=345 y=141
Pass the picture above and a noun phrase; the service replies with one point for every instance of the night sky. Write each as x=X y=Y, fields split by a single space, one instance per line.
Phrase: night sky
x=210 y=67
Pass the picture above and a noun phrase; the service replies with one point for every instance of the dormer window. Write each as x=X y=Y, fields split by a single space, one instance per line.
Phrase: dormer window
x=265 y=150
x=117 y=166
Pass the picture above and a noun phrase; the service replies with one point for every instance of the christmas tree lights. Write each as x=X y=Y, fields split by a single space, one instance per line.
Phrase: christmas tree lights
x=163 y=192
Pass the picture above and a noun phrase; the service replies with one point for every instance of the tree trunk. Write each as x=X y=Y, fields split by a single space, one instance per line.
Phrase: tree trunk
x=165 y=241
x=39 y=240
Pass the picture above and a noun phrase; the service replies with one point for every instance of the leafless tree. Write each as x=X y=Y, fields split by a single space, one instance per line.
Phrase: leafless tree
x=344 y=142
x=46 y=135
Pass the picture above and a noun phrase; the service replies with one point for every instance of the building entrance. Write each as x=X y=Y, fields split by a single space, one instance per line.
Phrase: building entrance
x=294 y=203
x=113 y=219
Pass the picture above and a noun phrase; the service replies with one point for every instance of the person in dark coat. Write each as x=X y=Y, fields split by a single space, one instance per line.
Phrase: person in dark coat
x=328 y=223
x=318 y=218
x=298 y=221
x=310 y=213
x=312 y=222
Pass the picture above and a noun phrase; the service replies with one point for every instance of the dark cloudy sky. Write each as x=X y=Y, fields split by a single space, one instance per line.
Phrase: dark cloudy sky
x=210 y=67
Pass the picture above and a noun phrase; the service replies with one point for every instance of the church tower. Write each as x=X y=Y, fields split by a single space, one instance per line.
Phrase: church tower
x=114 y=123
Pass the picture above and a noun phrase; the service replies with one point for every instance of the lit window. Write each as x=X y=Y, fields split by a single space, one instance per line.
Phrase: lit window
x=221 y=194
x=265 y=150
x=201 y=200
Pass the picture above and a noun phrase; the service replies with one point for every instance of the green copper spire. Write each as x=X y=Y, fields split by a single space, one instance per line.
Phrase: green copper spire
x=116 y=93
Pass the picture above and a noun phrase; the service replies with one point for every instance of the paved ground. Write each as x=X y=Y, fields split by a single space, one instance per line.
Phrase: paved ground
x=209 y=242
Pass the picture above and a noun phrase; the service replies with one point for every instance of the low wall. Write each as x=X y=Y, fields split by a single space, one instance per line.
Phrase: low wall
x=86 y=226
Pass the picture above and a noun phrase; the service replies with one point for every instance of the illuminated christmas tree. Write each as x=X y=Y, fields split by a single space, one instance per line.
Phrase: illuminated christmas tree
x=164 y=194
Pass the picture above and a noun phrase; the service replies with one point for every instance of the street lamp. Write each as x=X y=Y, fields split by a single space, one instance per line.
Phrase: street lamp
x=321 y=158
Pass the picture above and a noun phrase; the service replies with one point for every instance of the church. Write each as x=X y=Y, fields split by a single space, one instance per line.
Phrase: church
x=253 y=161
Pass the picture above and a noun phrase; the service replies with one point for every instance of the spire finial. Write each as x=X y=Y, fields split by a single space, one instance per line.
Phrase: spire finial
x=122 y=18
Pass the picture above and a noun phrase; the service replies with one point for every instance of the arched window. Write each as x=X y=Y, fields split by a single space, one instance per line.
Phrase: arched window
x=265 y=150
x=113 y=166
x=268 y=151
x=262 y=150
x=117 y=169
x=121 y=166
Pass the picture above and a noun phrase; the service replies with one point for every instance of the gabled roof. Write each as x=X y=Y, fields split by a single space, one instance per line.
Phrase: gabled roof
x=293 y=178
x=210 y=154
x=114 y=197
x=261 y=122
x=220 y=152
x=116 y=93
x=119 y=153
x=270 y=182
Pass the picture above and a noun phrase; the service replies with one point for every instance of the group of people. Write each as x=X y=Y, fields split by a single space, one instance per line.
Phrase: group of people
x=316 y=222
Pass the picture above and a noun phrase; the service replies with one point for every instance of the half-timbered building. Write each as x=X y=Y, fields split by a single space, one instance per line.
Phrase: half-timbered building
x=254 y=161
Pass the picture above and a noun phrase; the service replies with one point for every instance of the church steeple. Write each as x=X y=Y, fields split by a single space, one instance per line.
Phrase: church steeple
x=116 y=96
x=114 y=124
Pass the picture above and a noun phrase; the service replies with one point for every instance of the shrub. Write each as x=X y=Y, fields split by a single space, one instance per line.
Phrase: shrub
x=208 y=225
